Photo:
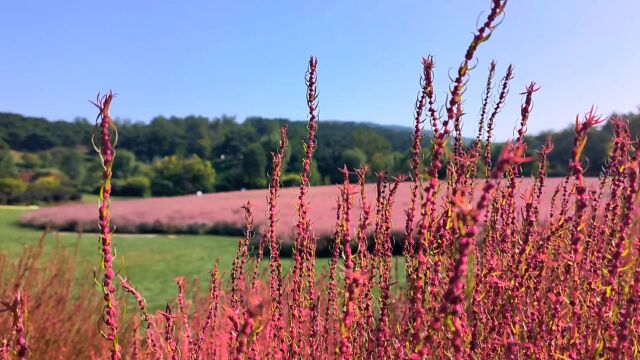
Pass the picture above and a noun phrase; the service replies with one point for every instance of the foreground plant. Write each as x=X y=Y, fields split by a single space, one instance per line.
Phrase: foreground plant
x=107 y=153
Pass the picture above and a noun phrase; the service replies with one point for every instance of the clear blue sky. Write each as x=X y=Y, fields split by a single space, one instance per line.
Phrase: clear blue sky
x=248 y=58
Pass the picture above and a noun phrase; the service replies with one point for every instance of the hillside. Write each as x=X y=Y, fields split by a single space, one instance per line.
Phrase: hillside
x=54 y=160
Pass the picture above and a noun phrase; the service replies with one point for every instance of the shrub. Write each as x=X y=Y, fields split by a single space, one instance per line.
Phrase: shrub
x=30 y=161
x=71 y=163
x=7 y=165
x=11 y=190
x=354 y=158
x=50 y=188
x=176 y=176
x=254 y=166
x=290 y=180
x=136 y=186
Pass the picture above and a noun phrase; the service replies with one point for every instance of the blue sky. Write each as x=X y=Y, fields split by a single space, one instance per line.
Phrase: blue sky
x=248 y=58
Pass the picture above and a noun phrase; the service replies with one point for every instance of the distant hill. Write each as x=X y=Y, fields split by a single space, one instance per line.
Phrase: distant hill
x=239 y=152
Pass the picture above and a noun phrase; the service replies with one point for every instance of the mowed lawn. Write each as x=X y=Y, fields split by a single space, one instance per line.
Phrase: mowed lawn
x=150 y=262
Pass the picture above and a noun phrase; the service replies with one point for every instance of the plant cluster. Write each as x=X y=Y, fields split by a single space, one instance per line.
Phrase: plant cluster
x=484 y=277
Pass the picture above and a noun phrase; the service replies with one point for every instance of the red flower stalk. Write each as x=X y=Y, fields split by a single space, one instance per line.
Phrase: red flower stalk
x=304 y=255
x=381 y=194
x=426 y=92
x=364 y=262
x=237 y=272
x=383 y=338
x=485 y=104
x=244 y=336
x=425 y=238
x=482 y=34
x=363 y=223
x=577 y=235
x=604 y=223
x=150 y=335
x=270 y=233
x=212 y=314
x=607 y=296
x=332 y=285
x=276 y=290
x=171 y=346
x=527 y=258
x=346 y=346
x=502 y=97
x=346 y=223
x=107 y=154
x=525 y=111
x=532 y=207
x=18 y=310
x=135 y=342
x=354 y=281
x=256 y=265
x=454 y=297
x=182 y=308
x=619 y=157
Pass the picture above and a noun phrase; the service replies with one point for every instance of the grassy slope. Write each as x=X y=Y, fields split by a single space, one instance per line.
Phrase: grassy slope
x=150 y=263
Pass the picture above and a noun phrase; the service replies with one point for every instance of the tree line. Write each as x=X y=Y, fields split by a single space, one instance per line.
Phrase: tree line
x=43 y=161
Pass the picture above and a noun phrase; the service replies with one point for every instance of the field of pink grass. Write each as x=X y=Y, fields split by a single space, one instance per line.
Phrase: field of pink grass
x=224 y=210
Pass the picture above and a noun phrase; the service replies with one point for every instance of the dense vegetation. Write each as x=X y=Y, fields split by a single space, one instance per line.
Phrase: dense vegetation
x=52 y=161
x=484 y=276
x=172 y=156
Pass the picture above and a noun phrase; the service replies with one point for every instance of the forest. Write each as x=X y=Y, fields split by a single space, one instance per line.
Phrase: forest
x=45 y=161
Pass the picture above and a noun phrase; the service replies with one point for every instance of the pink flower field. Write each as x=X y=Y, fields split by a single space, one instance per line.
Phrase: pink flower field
x=224 y=210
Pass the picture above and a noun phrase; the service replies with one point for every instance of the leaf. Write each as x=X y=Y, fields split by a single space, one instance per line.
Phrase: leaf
x=596 y=354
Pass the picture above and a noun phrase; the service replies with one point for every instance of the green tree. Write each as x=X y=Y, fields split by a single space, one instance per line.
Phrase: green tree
x=125 y=165
x=139 y=186
x=30 y=161
x=370 y=142
x=177 y=176
x=71 y=164
x=11 y=190
x=354 y=158
x=51 y=188
x=254 y=166
x=381 y=162
x=7 y=166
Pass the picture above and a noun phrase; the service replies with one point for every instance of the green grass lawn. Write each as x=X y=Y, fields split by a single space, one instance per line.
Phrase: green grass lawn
x=150 y=262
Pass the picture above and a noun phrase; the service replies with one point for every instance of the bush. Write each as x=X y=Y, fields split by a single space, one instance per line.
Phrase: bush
x=50 y=188
x=7 y=165
x=176 y=176
x=30 y=161
x=290 y=180
x=253 y=165
x=138 y=186
x=11 y=190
